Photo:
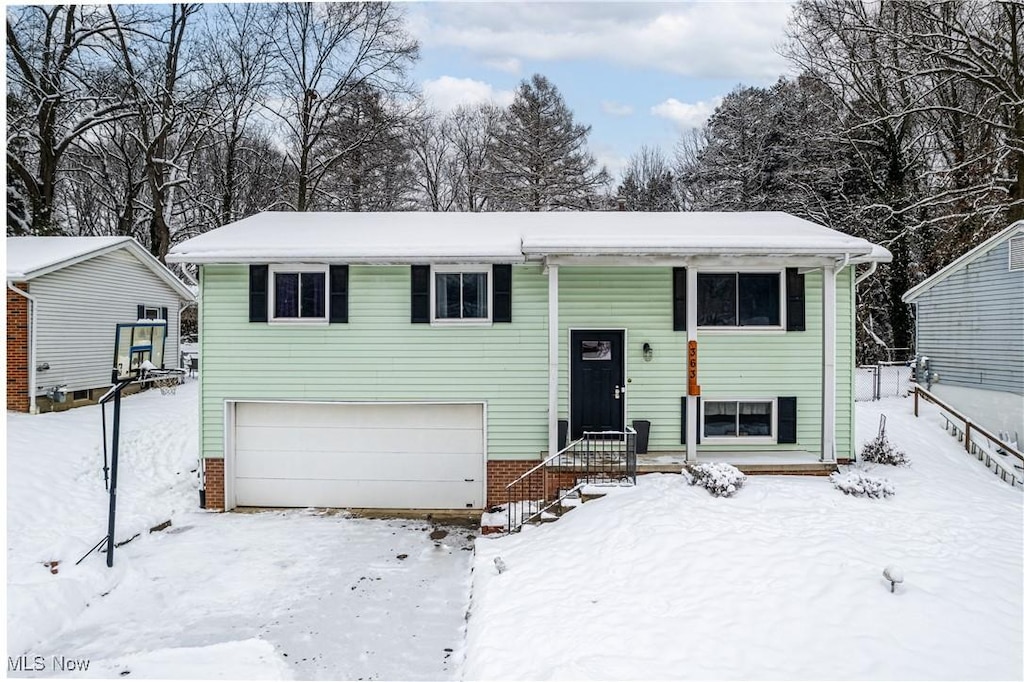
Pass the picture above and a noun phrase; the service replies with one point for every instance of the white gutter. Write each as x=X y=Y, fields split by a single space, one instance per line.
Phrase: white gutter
x=33 y=306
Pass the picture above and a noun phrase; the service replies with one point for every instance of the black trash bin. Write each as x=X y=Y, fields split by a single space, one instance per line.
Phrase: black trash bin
x=643 y=435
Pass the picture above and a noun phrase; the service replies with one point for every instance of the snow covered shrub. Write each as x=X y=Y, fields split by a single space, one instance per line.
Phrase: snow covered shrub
x=861 y=485
x=881 y=451
x=720 y=479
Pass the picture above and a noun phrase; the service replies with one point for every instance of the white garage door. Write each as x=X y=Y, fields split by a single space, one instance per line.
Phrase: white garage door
x=383 y=456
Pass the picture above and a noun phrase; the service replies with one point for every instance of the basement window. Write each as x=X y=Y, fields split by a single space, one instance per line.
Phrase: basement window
x=738 y=420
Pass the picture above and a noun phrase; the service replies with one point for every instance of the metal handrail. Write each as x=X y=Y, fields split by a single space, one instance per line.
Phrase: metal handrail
x=594 y=443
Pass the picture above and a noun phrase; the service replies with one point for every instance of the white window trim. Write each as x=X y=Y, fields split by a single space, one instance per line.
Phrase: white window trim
x=462 y=269
x=272 y=290
x=737 y=439
x=146 y=309
x=747 y=329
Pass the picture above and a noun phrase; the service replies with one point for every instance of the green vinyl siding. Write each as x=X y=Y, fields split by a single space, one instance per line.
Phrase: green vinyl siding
x=380 y=355
x=732 y=364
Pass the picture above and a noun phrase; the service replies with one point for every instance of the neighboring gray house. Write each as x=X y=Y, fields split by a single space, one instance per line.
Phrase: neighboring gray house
x=970 y=326
x=65 y=296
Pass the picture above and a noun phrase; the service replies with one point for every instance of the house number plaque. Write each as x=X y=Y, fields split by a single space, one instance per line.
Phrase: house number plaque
x=692 y=388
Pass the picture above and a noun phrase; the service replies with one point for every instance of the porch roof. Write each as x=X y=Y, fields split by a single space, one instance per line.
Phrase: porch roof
x=422 y=237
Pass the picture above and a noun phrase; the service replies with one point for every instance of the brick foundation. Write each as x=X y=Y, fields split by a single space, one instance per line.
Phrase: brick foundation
x=215 y=484
x=501 y=472
x=17 y=350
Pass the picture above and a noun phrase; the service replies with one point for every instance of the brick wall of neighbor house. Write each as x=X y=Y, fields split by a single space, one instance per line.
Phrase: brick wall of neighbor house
x=17 y=350
x=215 y=484
x=501 y=472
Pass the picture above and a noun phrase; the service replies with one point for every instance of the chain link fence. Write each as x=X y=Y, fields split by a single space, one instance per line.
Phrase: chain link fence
x=883 y=380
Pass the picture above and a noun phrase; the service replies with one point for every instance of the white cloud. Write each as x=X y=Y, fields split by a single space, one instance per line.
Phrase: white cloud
x=735 y=40
x=508 y=65
x=447 y=92
x=684 y=114
x=616 y=108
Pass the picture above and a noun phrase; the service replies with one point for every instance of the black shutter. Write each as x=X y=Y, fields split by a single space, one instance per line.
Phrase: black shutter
x=140 y=312
x=258 y=292
x=679 y=299
x=421 y=294
x=163 y=315
x=787 y=420
x=502 y=293
x=339 y=293
x=682 y=420
x=795 y=307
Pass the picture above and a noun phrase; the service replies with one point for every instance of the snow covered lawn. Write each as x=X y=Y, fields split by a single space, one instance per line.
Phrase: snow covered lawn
x=781 y=581
x=237 y=596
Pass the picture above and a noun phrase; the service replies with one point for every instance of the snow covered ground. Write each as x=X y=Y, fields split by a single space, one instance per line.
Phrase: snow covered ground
x=274 y=595
x=782 y=581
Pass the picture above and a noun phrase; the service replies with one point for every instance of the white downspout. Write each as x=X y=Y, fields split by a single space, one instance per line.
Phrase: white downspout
x=552 y=359
x=830 y=276
x=33 y=307
x=865 y=275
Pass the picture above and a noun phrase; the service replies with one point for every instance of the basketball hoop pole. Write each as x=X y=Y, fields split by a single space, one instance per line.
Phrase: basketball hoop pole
x=115 y=393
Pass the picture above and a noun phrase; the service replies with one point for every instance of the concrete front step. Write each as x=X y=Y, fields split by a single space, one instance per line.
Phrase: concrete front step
x=751 y=469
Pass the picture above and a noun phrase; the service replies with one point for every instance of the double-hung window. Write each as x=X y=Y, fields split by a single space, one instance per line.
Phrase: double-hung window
x=739 y=299
x=298 y=293
x=739 y=419
x=461 y=294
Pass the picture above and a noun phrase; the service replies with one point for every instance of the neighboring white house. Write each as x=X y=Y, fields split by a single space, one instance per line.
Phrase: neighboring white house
x=970 y=326
x=65 y=296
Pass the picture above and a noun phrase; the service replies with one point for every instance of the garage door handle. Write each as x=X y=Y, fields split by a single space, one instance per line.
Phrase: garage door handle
x=470 y=480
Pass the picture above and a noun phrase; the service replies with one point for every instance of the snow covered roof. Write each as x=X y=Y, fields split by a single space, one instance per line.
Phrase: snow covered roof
x=977 y=252
x=31 y=257
x=514 y=237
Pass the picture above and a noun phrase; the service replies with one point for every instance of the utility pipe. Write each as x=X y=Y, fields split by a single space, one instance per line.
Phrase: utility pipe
x=33 y=307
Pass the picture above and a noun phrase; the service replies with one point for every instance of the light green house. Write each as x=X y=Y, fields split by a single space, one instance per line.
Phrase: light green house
x=425 y=360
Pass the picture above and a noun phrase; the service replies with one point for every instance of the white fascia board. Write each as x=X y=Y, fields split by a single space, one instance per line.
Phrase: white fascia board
x=864 y=250
x=977 y=252
x=271 y=257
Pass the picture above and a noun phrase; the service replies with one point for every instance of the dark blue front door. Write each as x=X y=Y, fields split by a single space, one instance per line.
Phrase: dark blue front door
x=598 y=389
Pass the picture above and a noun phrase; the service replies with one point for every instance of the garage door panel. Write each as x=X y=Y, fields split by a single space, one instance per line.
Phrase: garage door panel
x=368 y=494
x=301 y=464
x=380 y=455
x=358 y=440
x=408 y=415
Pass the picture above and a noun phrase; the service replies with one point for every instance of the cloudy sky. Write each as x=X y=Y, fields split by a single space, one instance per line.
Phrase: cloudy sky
x=637 y=72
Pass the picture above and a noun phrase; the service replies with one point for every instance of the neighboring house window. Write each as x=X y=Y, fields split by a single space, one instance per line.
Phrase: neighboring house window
x=1017 y=253
x=298 y=293
x=150 y=312
x=739 y=419
x=739 y=299
x=461 y=294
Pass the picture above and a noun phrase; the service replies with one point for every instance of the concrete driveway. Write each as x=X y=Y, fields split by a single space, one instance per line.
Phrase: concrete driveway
x=278 y=594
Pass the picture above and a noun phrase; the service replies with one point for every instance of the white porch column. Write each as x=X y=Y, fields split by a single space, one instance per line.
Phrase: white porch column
x=691 y=335
x=552 y=359
x=828 y=364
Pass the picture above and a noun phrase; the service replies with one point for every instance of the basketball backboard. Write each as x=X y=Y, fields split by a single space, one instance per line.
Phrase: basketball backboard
x=136 y=343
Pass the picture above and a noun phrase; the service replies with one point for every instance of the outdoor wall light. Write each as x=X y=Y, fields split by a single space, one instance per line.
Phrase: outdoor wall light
x=648 y=352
